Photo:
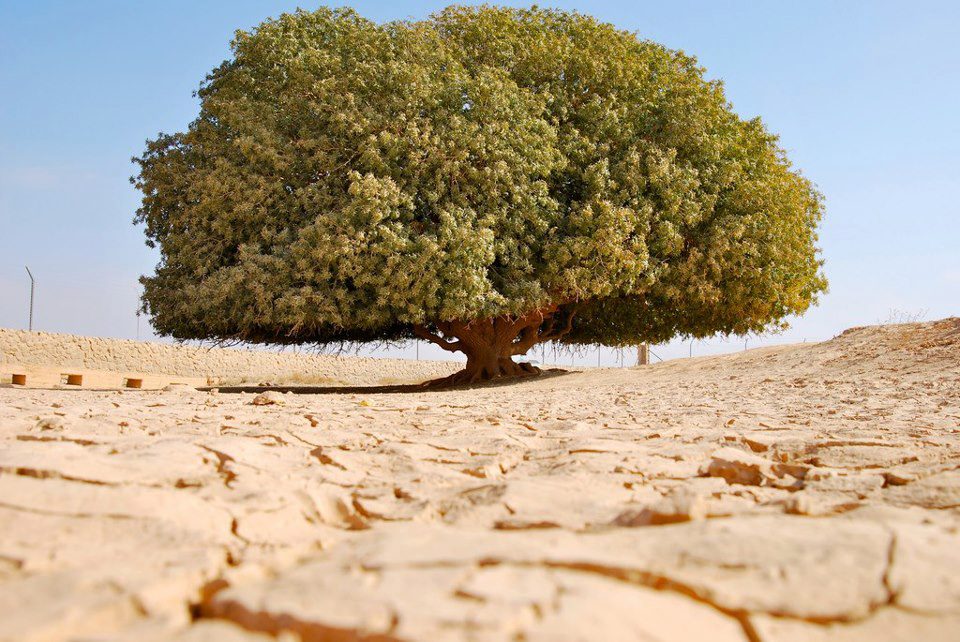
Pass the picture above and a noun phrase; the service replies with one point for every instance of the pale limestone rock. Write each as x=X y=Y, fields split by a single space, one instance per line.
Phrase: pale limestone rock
x=923 y=569
x=318 y=599
x=887 y=624
x=54 y=424
x=856 y=483
x=628 y=613
x=739 y=467
x=61 y=606
x=331 y=507
x=756 y=563
x=857 y=454
x=166 y=461
x=898 y=477
x=180 y=388
x=680 y=505
x=269 y=398
x=803 y=503
x=200 y=631
x=494 y=601
x=938 y=491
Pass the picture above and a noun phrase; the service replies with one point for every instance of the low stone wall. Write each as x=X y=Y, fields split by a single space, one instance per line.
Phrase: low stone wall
x=223 y=365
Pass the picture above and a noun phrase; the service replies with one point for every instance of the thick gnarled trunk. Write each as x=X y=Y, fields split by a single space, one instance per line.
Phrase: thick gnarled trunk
x=491 y=344
x=489 y=364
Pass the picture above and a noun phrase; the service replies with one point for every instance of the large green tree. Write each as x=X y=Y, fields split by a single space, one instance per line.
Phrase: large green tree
x=486 y=179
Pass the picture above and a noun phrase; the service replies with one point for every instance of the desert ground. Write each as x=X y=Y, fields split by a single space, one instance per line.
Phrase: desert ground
x=800 y=493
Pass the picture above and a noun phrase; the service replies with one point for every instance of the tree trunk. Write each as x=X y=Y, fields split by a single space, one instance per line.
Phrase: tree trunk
x=487 y=362
x=491 y=344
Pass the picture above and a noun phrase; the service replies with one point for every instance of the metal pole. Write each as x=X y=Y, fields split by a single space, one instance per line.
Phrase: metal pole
x=138 y=325
x=417 y=342
x=32 y=285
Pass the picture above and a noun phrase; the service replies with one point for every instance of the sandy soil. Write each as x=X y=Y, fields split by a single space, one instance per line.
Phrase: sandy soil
x=799 y=493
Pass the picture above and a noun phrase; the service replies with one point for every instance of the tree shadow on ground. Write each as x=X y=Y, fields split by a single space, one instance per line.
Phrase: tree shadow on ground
x=391 y=389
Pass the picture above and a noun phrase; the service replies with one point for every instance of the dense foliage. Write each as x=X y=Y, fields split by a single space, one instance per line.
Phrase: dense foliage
x=347 y=180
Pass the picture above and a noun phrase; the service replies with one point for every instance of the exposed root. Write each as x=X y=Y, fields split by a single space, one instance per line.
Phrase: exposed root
x=505 y=368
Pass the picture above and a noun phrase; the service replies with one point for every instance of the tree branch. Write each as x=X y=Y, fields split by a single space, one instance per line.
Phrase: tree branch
x=551 y=335
x=529 y=337
x=423 y=333
x=539 y=328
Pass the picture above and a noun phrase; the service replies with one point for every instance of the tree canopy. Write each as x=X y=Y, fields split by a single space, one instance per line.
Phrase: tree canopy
x=353 y=181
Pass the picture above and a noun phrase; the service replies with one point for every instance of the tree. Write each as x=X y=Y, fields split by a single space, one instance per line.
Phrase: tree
x=485 y=179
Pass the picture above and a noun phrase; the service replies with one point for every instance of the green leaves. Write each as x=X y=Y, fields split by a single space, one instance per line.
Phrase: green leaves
x=345 y=180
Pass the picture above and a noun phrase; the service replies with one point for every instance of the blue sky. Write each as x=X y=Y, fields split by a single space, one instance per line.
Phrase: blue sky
x=865 y=97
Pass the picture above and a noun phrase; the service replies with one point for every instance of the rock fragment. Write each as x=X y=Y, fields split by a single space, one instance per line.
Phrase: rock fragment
x=181 y=388
x=268 y=398
x=681 y=505
x=738 y=467
x=50 y=423
x=802 y=504
x=334 y=510
x=889 y=625
x=938 y=491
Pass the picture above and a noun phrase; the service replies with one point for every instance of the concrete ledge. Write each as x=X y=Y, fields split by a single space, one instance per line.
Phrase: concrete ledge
x=20 y=376
x=127 y=360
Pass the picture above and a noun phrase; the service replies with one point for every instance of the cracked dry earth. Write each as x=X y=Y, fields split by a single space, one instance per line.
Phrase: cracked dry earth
x=797 y=493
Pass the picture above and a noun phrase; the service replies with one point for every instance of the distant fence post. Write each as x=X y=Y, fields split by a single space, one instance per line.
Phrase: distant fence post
x=643 y=354
x=32 y=284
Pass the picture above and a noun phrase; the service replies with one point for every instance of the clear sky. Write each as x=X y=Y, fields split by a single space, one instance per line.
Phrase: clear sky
x=865 y=96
